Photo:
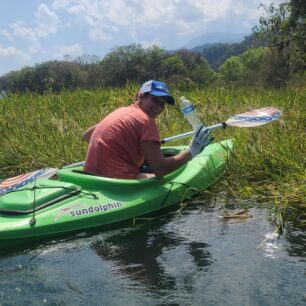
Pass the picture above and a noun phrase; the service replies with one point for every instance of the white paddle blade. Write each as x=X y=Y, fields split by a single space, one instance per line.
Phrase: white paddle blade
x=254 y=117
x=16 y=182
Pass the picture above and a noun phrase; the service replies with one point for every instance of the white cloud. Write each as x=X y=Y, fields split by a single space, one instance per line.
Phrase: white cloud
x=210 y=13
x=6 y=34
x=46 y=24
x=61 y=4
x=46 y=20
x=212 y=9
x=154 y=42
x=27 y=38
x=99 y=35
x=106 y=17
x=187 y=28
x=21 y=31
x=152 y=13
x=73 y=50
x=135 y=17
x=12 y=52
x=28 y=34
x=102 y=18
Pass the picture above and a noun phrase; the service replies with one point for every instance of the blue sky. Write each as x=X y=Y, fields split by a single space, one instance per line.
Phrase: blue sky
x=35 y=31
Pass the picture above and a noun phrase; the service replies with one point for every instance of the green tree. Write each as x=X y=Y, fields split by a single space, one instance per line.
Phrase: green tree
x=232 y=69
x=154 y=56
x=123 y=63
x=172 y=65
x=285 y=31
x=248 y=68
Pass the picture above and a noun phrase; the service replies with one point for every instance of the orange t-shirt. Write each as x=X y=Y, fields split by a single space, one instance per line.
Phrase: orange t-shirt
x=115 y=145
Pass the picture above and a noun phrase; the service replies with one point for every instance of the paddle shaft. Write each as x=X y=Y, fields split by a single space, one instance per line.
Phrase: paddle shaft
x=222 y=125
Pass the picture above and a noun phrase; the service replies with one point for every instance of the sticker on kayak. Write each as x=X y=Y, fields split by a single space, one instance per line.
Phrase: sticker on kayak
x=83 y=209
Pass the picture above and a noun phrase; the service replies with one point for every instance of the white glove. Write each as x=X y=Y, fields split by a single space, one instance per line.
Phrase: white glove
x=199 y=141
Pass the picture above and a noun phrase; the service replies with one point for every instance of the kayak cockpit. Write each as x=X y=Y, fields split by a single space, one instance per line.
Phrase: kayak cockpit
x=88 y=181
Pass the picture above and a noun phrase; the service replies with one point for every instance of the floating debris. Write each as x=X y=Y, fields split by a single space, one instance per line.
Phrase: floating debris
x=237 y=216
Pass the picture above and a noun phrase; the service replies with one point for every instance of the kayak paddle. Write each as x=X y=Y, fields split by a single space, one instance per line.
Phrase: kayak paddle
x=251 y=118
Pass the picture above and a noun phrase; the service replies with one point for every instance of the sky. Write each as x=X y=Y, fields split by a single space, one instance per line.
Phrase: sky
x=35 y=31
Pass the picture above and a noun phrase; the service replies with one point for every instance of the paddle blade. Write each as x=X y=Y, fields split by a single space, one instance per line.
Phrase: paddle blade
x=254 y=117
x=19 y=181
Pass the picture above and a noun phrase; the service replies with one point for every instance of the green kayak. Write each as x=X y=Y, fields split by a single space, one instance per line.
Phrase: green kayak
x=74 y=200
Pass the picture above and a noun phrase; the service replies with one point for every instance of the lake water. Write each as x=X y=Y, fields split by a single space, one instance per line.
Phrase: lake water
x=193 y=258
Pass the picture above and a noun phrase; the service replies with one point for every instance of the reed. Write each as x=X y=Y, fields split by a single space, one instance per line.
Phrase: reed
x=268 y=164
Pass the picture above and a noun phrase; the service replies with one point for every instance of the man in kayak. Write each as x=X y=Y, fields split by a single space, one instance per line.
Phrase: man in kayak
x=120 y=143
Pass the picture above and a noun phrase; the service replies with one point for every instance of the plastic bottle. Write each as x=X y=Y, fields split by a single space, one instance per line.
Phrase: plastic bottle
x=190 y=113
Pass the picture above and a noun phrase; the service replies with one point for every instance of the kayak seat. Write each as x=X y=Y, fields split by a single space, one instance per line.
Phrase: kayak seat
x=36 y=196
x=83 y=172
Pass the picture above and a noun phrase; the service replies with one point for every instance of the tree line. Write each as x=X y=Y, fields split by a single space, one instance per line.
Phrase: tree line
x=126 y=63
x=274 y=55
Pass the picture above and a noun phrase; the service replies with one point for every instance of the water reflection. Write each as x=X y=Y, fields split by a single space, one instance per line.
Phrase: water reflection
x=145 y=254
x=297 y=241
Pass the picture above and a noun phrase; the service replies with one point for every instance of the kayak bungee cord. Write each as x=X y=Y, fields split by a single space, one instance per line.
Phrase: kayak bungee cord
x=32 y=221
x=168 y=193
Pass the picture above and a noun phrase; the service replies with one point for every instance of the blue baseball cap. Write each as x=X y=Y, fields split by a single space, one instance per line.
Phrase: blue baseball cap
x=158 y=89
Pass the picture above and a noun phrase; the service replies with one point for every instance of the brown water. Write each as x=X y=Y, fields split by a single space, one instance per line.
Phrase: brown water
x=197 y=258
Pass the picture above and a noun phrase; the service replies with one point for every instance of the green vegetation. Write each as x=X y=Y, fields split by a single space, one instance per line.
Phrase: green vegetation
x=268 y=164
x=285 y=31
x=245 y=68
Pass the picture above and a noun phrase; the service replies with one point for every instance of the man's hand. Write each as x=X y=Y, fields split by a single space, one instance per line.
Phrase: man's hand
x=200 y=140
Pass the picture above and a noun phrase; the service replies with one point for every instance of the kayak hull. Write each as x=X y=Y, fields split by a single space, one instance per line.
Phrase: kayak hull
x=91 y=201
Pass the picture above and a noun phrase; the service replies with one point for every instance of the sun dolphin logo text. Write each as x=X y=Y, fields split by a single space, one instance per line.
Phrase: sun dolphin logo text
x=74 y=212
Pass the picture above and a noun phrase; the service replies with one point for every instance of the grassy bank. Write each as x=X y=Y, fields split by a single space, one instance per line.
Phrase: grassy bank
x=269 y=161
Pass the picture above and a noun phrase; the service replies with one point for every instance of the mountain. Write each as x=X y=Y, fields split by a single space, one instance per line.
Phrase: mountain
x=212 y=38
x=217 y=53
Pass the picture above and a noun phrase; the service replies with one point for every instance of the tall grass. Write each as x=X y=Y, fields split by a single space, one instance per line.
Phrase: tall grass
x=269 y=161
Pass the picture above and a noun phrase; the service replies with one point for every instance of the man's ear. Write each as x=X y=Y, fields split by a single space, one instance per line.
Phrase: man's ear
x=137 y=95
x=141 y=95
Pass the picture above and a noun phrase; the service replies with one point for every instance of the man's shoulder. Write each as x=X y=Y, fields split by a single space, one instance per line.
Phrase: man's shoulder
x=135 y=111
x=131 y=114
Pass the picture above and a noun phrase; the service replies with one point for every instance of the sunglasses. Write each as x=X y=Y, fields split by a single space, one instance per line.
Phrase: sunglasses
x=158 y=100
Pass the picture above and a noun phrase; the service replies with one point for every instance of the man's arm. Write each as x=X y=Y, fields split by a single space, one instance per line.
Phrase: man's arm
x=159 y=164
x=88 y=133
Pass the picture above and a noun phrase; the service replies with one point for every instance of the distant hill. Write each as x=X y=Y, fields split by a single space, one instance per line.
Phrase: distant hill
x=217 y=53
x=212 y=38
